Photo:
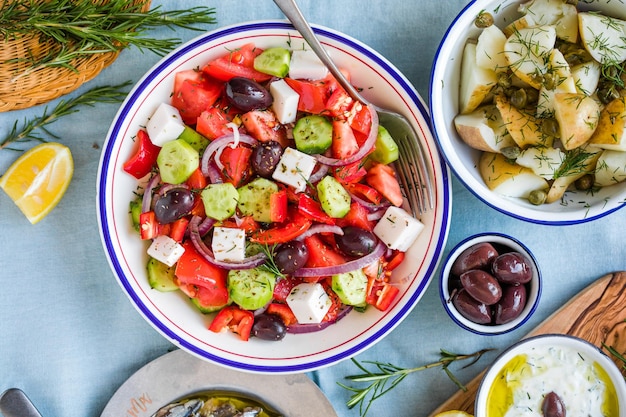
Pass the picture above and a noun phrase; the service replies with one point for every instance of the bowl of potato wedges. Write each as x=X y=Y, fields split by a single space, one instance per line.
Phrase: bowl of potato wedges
x=528 y=102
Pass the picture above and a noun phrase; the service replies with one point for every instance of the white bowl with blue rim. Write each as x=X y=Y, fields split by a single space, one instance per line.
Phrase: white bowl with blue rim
x=502 y=243
x=171 y=314
x=576 y=206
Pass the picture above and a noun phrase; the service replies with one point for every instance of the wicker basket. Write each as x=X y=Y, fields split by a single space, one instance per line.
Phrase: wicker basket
x=20 y=89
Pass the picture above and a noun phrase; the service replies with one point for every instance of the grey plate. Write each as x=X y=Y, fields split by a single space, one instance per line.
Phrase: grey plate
x=179 y=374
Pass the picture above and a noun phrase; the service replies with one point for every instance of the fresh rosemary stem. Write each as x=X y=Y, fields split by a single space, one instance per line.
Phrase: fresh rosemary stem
x=83 y=28
x=619 y=356
x=29 y=130
x=385 y=376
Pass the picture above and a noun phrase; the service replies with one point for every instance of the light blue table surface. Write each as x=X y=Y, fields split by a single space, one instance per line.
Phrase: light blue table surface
x=69 y=337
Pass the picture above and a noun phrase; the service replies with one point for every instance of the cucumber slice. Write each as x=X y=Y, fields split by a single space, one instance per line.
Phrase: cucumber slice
x=335 y=200
x=313 y=134
x=254 y=199
x=385 y=148
x=161 y=276
x=251 y=289
x=195 y=139
x=135 y=212
x=273 y=61
x=220 y=200
x=206 y=309
x=350 y=287
x=177 y=160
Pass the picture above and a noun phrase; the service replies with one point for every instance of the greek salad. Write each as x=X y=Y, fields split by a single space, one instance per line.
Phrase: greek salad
x=268 y=196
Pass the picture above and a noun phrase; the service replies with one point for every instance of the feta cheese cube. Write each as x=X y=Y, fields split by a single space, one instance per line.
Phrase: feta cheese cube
x=166 y=250
x=309 y=302
x=229 y=244
x=306 y=65
x=165 y=124
x=398 y=229
x=294 y=169
x=285 y=103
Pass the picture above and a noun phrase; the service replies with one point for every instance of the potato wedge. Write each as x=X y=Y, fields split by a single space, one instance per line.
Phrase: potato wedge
x=544 y=12
x=567 y=24
x=610 y=168
x=483 y=129
x=528 y=52
x=578 y=117
x=476 y=82
x=578 y=162
x=523 y=127
x=611 y=130
x=603 y=37
x=543 y=161
x=586 y=77
x=521 y=23
x=508 y=179
x=490 y=49
x=559 y=70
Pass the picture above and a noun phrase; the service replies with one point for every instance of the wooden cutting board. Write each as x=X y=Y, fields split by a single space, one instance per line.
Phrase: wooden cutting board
x=597 y=314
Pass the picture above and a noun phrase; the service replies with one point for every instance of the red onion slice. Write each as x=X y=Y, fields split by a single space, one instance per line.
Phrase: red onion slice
x=310 y=328
x=220 y=143
x=203 y=249
x=320 y=228
x=349 y=266
x=364 y=150
x=146 y=200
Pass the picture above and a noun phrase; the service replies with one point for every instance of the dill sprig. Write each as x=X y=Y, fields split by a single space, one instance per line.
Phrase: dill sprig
x=30 y=130
x=576 y=161
x=385 y=376
x=83 y=28
x=270 y=263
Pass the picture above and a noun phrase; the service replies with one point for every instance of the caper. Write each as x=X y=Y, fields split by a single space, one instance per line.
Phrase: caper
x=519 y=99
x=611 y=71
x=607 y=93
x=483 y=20
x=532 y=96
x=504 y=80
x=550 y=81
x=537 y=197
x=550 y=127
x=511 y=152
x=584 y=183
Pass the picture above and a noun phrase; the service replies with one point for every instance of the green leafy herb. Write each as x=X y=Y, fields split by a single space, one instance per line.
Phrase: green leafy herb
x=270 y=263
x=84 y=28
x=385 y=376
x=30 y=129
x=620 y=356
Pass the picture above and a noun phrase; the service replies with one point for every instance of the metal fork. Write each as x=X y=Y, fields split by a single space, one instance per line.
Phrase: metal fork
x=411 y=165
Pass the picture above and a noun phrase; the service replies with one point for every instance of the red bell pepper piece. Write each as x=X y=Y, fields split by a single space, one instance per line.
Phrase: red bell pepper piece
x=365 y=192
x=235 y=319
x=149 y=227
x=395 y=259
x=283 y=311
x=313 y=209
x=178 y=229
x=141 y=163
x=292 y=228
x=197 y=180
x=386 y=296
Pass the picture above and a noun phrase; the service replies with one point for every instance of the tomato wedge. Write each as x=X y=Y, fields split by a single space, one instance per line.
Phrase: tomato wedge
x=383 y=179
x=236 y=164
x=237 y=63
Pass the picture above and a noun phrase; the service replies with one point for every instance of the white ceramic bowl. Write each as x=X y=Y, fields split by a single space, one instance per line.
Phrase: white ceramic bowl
x=502 y=243
x=575 y=207
x=575 y=352
x=170 y=313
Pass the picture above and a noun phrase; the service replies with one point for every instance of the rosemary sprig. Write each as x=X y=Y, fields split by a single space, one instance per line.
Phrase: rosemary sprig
x=385 y=376
x=82 y=28
x=29 y=130
x=620 y=356
x=270 y=263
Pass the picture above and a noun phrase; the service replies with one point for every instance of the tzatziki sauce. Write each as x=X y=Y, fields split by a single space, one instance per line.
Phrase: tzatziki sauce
x=582 y=384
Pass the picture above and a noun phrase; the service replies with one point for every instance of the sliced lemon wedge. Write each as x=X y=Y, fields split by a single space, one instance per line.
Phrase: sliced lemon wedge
x=454 y=413
x=37 y=180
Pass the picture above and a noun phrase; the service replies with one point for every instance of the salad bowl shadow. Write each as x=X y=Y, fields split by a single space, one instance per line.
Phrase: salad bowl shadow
x=172 y=314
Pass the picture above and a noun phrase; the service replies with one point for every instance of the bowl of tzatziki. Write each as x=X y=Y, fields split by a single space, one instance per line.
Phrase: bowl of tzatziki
x=552 y=375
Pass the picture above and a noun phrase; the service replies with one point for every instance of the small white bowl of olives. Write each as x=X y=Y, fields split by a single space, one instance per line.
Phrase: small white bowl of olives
x=490 y=284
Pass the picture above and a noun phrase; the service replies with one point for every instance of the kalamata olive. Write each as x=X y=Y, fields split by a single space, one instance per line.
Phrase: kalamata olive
x=470 y=308
x=482 y=286
x=356 y=241
x=173 y=205
x=265 y=157
x=511 y=304
x=291 y=256
x=247 y=94
x=552 y=405
x=512 y=268
x=269 y=327
x=478 y=256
